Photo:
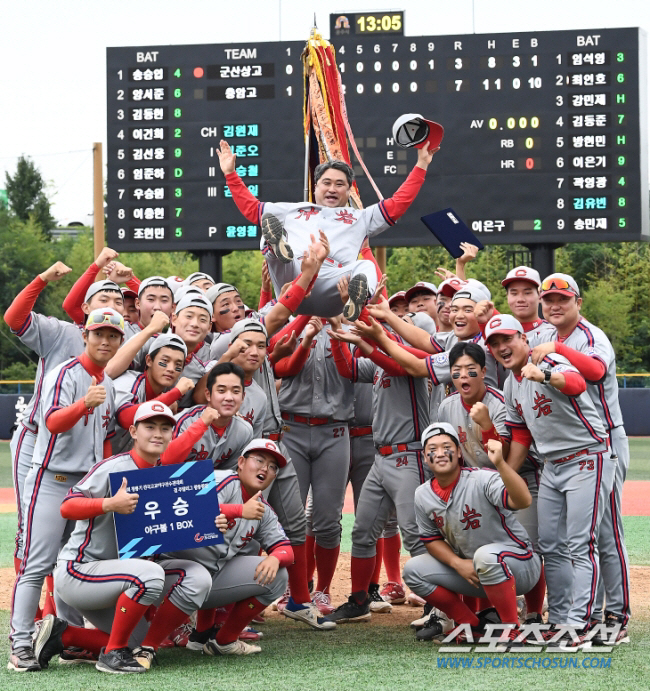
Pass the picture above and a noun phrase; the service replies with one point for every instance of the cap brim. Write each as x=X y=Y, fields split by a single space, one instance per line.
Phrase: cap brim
x=153 y=415
x=414 y=291
x=507 y=281
x=505 y=332
x=558 y=291
x=282 y=461
x=436 y=133
x=104 y=325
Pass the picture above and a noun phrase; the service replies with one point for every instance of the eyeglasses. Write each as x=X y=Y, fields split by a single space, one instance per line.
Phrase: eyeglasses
x=271 y=466
x=557 y=284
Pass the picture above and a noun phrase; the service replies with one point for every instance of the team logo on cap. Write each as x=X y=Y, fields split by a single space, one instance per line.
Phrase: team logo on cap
x=521 y=272
x=494 y=323
x=270 y=445
x=157 y=407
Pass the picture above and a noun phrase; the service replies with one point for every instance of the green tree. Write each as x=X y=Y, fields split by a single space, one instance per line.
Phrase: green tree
x=26 y=194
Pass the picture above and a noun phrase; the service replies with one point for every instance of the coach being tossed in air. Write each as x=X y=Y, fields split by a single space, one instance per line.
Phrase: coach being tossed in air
x=475 y=545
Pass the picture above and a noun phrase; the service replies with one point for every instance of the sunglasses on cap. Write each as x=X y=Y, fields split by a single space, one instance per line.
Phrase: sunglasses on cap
x=107 y=318
x=555 y=283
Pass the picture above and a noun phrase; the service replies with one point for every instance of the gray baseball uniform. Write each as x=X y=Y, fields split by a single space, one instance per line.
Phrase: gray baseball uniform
x=454 y=411
x=316 y=405
x=91 y=577
x=401 y=412
x=614 y=563
x=55 y=342
x=60 y=460
x=576 y=482
x=476 y=523
x=223 y=448
x=231 y=568
x=438 y=365
x=253 y=407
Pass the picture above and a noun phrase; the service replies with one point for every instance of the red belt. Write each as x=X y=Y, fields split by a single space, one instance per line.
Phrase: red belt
x=360 y=431
x=398 y=448
x=275 y=436
x=314 y=421
x=571 y=457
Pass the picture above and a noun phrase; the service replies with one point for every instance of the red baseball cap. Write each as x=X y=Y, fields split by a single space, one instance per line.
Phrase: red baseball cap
x=266 y=445
x=450 y=285
x=412 y=130
x=399 y=295
x=502 y=324
x=563 y=284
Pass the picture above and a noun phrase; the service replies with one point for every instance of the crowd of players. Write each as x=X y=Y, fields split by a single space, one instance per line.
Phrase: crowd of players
x=491 y=445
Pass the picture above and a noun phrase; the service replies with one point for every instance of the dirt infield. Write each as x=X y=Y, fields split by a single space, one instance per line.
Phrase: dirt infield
x=403 y=614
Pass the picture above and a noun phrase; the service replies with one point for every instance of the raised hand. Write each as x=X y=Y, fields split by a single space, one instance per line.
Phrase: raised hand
x=56 y=272
x=159 y=322
x=123 y=502
x=253 y=509
x=105 y=256
x=227 y=158
x=184 y=384
x=483 y=311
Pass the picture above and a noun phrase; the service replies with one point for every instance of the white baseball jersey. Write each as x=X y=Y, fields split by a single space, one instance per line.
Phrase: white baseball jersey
x=224 y=449
x=267 y=531
x=559 y=424
x=476 y=513
x=55 y=342
x=94 y=539
x=78 y=449
x=346 y=228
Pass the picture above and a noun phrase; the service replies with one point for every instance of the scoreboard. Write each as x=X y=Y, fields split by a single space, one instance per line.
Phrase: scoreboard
x=545 y=133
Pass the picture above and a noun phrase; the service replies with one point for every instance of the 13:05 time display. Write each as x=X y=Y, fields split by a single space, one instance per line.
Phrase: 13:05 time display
x=392 y=23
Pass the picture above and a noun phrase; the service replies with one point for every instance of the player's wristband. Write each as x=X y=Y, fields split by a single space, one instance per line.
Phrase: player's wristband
x=292 y=298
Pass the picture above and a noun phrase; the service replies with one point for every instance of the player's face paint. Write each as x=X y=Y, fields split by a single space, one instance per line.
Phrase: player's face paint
x=443 y=307
x=510 y=350
x=563 y=311
x=332 y=189
x=130 y=311
x=424 y=302
x=165 y=369
x=399 y=307
x=523 y=300
x=228 y=309
x=105 y=298
x=102 y=344
x=462 y=318
x=227 y=395
x=192 y=324
x=151 y=437
x=153 y=299
x=257 y=471
x=468 y=378
x=203 y=284
x=251 y=359
x=442 y=457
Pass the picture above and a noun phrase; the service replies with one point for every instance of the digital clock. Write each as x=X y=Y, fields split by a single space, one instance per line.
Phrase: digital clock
x=367 y=24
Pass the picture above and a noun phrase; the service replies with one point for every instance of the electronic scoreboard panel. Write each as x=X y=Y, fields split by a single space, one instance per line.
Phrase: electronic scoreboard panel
x=545 y=133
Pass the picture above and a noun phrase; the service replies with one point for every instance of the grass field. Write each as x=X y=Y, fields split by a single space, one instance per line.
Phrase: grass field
x=359 y=657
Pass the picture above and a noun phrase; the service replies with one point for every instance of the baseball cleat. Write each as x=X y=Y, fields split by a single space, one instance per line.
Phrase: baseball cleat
x=197 y=639
x=433 y=630
x=308 y=614
x=351 y=611
x=118 y=661
x=179 y=637
x=275 y=236
x=281 y=602
x=22 y=660
x=613 y=635
x=421 y=621
x=145 y=655
x=49 y=640
x=235 y=648
x=377 y=604
x=323 y=602
x=394 y=593
x=357 y=297
x=250 y=634
x=77 y=656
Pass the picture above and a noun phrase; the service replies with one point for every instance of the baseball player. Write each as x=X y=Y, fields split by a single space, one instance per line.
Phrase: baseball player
x=161 y=381
x=316 y=405
x=401 y=409
x=398 y=303
x=474 y=544
x=588 y=349
x=252 y=582
x=478 y=413
x=112 y=593
x=129 y=310
x=422 y=298
x=248 y=347
x=226 y=434
x=548 y=404
x=66 y=448
x=286 y=229
x=200 y=280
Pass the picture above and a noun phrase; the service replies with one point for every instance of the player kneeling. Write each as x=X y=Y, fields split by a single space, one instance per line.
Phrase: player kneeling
x=238 y=575
x=475 y=545
x=114 y=594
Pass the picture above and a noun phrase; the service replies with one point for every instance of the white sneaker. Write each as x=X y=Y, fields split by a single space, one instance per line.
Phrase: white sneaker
x=236 y=648
x=309 y=614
